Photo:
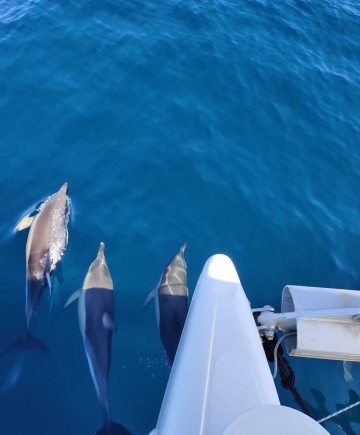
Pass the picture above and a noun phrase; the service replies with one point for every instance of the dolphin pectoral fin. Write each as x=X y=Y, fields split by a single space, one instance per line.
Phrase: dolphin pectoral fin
x=150 y=297
x=48 y=280
x=24 y=223
x=108 y=322
x=72 y=298
x=48 y=271
x=27 y=220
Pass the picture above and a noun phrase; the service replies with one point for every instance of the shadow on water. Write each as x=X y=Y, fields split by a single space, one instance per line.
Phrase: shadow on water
x=352 y=415
x=14 y=357
x=114 y=429
x=12 y=375
x=340 y=424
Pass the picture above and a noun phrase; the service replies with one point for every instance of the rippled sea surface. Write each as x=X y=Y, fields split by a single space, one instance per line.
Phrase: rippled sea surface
x=232 y=125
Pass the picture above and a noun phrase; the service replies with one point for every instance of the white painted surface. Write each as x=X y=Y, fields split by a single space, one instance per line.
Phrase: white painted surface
x=326 y=322
x=220 y=369
x=270 y=419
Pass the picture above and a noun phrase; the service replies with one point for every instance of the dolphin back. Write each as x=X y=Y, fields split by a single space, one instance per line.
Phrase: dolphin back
x=48 y=235
x=99 y=326
x=173 y=313
x=173 y=303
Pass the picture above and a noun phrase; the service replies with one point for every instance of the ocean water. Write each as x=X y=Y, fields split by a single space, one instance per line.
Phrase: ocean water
x=232 y=125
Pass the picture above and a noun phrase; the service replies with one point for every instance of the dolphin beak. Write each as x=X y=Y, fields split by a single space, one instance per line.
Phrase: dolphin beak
x=64 y=188
x=101 y=250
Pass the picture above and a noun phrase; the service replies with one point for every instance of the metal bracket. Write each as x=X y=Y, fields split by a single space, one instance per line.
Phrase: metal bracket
x=264 y=308
x=268 y=331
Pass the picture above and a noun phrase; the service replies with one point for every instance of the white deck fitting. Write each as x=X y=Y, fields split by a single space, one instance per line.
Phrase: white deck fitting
x=326 y=322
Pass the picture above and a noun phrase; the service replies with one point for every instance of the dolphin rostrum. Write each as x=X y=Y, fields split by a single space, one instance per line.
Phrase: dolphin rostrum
x=45 y=246
x=96 y=308
x=171 y=303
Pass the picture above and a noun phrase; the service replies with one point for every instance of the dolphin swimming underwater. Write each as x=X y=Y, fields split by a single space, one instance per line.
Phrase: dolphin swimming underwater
x=171 y=303
x=45 y=246
x=96 y=308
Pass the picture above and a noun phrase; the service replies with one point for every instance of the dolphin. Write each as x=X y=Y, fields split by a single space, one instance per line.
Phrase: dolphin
x=96 y=306
x=171 y=303
x=45 y=246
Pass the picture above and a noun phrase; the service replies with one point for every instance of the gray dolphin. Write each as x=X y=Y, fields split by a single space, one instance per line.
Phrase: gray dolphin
x=96 y=308
x=171 y=303
x=46 y=243
x=45 y=246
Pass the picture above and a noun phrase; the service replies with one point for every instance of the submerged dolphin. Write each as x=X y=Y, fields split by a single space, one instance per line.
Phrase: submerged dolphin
x=171 y=303
x=45 y=246
x=96 y=317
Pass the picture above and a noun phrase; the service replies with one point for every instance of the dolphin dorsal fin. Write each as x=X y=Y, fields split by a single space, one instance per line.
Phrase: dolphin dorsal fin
x=108 y=322
x=24 y=223
x=72 y=298
x=150 y=297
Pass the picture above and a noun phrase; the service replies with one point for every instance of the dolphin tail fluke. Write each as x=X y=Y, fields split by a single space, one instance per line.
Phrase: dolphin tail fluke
x=26 y=341
x=30 y=342
x=113 y=429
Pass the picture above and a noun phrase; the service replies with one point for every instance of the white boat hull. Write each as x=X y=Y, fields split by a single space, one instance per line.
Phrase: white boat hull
x=220 y=382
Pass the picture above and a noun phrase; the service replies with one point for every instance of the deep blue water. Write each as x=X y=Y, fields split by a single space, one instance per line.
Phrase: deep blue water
x=232 y=125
